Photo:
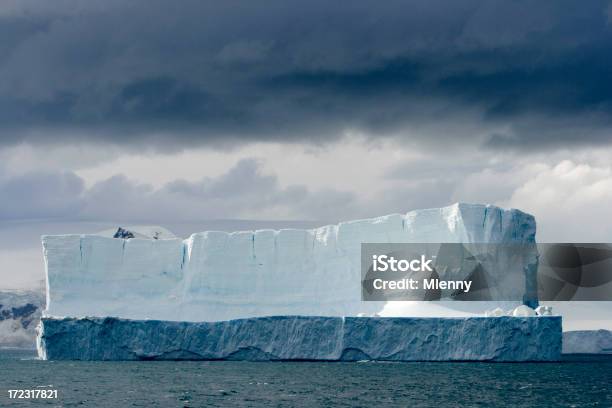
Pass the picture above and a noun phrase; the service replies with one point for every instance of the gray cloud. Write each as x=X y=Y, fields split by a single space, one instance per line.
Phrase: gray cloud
x=247 y=192
x=149 y=74
x=242 y=192
x=40 y=195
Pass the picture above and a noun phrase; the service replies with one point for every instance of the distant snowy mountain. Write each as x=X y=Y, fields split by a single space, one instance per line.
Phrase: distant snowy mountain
x=19 y=314
x=138 y=231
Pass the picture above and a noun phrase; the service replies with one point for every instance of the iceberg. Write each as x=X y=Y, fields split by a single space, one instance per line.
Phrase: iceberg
x=276 y=294
x=587 y=342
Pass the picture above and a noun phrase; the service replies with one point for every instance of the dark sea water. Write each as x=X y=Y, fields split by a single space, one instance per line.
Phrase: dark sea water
x=584 y=383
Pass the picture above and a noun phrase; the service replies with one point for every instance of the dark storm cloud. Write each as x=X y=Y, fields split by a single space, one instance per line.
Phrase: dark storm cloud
x=201 y=72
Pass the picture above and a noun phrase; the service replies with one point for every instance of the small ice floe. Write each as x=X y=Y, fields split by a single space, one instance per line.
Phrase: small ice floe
x=544 y=310
x=523 y=311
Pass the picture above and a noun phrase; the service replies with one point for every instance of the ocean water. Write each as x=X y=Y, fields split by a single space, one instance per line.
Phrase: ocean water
x=582 y=383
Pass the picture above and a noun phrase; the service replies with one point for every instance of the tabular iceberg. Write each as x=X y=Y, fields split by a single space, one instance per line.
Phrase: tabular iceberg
x=218 y=276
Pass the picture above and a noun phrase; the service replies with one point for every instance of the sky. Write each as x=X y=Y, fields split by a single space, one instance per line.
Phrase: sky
x=313 y=112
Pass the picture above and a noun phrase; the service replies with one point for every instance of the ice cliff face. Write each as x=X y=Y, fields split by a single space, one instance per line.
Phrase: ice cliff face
x=19 y=314
x=306 y=338
x=214 y=276
x=587 y=342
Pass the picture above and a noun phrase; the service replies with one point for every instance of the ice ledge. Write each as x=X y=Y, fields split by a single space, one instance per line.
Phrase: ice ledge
x=305 y=338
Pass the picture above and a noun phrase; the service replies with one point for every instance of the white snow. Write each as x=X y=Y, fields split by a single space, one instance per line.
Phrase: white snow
x=497 y=312
x=523 y=311
x=544 y=310
x=217 y=276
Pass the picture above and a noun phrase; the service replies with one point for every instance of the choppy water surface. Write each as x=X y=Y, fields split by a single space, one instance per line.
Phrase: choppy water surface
x=196 y=384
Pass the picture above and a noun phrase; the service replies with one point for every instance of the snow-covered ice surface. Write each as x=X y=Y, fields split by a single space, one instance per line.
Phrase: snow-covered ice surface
x=215 y=276
x=306 y=338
